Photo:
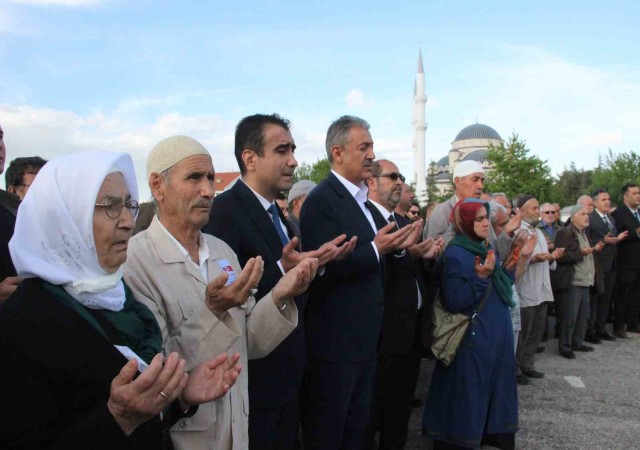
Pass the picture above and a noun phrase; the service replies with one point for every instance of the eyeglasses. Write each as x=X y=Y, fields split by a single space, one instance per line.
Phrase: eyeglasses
x=548 y=212
x=413 y=212
x=113 y=208
x=393 y=176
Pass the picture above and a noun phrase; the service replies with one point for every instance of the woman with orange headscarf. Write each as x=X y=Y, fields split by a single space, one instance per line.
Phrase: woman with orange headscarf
x=473 y=402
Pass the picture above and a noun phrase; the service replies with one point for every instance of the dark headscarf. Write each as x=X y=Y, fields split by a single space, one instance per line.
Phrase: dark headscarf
x=463 y=218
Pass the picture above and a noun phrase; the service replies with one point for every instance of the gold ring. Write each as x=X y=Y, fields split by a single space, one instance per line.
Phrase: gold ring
x=166 y=397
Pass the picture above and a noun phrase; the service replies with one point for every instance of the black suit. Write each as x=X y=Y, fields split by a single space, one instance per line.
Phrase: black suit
x=627 y=302
x=239 y=219
x=344 y=319
x=8 y=210
x=57 y=373
x=399 y=349
x=605 y=262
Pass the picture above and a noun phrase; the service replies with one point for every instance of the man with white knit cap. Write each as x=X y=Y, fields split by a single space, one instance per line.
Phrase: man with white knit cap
x=201 y=297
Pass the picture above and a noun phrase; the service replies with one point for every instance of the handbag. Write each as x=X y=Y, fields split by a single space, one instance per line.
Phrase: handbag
x=450 y=328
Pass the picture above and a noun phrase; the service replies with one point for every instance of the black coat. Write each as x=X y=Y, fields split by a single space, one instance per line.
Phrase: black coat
x=605 y=260
x=403 y=276
x=238 y=218
x=8 y=210
x=629 y=249
x=566 y=238
x=56 y=377
x=346 y=303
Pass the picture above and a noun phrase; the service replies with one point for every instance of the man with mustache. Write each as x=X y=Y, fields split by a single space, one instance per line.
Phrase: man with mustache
x=248 y=218
x=202 y=299
x=345 y=306
x=534 y=289
x=405 y=291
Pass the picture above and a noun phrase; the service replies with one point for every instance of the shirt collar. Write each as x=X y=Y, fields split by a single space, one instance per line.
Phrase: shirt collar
x=203 y=248
x=358 y=191
x=263 y=201
x=384 y=211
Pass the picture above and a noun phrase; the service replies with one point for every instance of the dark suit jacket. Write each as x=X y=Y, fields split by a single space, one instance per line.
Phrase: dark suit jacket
x=57 y=373
x=238 y=218
x=400 y=322
x=629 y=249
x=565 y=268
x=606 y=259
x=345 y=306
x=8 y=209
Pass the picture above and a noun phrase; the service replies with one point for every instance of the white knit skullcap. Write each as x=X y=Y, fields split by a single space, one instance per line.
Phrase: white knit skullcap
x=171 y=151
x=467 y=168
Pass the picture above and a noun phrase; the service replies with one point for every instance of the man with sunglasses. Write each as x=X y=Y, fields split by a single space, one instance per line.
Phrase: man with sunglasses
x=548 y=223
x=405 y=287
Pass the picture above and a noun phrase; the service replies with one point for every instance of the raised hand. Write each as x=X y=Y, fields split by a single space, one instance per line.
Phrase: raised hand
x=389 y=238
x=484 y=270
x=133 y=402
x=210 y=380
x=220 y=298
x=8 y=286
x=513 y=224
x=420 y=249
x=329 y=251
x=557 y=253
x=599 y=246
x=295 y=282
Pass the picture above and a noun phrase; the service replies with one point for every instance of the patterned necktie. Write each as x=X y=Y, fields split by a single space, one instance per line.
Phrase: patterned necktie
x=275 y=218
x=607 y=221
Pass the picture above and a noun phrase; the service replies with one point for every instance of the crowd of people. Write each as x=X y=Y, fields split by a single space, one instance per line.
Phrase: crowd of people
x=284 y=316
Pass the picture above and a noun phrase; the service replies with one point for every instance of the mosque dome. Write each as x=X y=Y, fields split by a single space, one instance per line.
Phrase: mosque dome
x=443 y=176
x=478 y=156
x=477 y=131
x=444 y=161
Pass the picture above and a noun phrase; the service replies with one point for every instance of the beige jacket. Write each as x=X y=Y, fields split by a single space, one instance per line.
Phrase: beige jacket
x=162 y=278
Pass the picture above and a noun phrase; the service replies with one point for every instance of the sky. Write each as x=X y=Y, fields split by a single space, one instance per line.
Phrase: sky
x=78 y=75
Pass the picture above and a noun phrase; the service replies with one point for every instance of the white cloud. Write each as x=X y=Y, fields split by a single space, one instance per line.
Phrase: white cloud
x=355 y=99
x=49 y=133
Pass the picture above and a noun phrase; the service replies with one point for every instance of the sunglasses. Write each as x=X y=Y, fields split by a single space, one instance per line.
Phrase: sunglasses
x=393 y=176
x=549 y=212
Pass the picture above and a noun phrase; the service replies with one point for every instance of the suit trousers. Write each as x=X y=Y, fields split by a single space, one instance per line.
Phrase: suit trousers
x=574 y=310
x=394 y=387
x=627 y=303
x=600 y=304
x=336 y=404
x=534 y=321
x=274 y=428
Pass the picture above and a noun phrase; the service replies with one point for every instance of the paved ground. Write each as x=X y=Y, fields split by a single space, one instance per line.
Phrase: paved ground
x=605 y=414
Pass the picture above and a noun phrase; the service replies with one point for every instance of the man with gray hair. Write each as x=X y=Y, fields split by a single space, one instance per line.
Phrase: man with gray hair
x=203 y=300
x=534 y=289
x=345 y=306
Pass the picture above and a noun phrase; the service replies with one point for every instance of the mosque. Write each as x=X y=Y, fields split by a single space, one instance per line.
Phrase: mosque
x=471 y=143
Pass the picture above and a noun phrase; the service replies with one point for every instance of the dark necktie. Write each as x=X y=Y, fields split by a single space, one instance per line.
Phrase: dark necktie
x=607 y=221
x=393 y=219
x=635 y=214
x=275 y=218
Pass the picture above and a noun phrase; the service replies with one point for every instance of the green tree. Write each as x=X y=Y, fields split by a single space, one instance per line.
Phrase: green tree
x=433 y=193
x=515 y=171
x=613 y=171
x=571 y=184
x=315 y=172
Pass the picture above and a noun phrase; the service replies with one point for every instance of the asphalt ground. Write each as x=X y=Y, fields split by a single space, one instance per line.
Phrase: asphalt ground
x=553 y=414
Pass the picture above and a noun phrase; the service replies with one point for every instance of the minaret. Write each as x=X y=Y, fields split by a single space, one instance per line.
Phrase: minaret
x=419 y=129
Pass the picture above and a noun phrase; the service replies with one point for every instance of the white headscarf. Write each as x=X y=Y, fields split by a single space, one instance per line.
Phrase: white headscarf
x=53 y=237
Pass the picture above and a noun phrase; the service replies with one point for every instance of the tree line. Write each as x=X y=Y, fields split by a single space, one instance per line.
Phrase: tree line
x=516 y=170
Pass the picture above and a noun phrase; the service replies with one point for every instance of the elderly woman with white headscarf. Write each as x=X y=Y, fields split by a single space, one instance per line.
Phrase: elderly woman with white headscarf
x=67 y=332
